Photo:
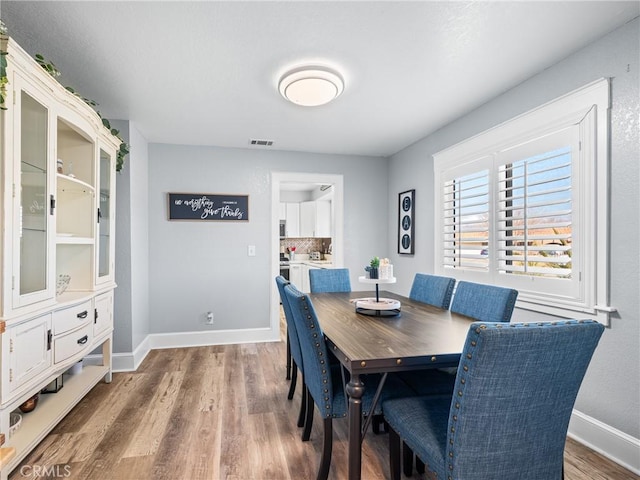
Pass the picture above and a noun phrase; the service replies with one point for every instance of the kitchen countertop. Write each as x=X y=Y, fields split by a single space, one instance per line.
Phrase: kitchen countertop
x=312 y=263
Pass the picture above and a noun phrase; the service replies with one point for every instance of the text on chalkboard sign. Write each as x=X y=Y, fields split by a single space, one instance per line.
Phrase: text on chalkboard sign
x=205 y=206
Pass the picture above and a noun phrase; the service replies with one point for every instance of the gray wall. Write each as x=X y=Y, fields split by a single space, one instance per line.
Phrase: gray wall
x=131 y=309
x=195 y=267
x=611 y=389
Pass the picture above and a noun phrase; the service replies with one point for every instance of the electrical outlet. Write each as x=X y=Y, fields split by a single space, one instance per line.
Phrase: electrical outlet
x=209 y=320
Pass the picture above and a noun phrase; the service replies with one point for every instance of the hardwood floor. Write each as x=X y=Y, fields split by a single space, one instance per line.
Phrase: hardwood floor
x=211 y=413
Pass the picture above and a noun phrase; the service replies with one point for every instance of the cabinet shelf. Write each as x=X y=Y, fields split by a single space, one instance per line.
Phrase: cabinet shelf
x=62 y=239
x=71 y=297
x=28 y=167
x=51 y=409
x=72 y=184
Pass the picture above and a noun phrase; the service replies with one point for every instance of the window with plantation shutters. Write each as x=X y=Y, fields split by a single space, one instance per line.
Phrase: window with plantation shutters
x=466 y=221
x=534 y=228
x=519 y=206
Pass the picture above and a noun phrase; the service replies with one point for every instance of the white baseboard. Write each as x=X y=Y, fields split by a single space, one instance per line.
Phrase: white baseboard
x=128 y=362
x=214 y=337
x=608 y=441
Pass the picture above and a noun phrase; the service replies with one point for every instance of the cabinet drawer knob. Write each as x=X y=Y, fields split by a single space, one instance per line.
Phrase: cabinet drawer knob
x=83 y=340
x=83 y=314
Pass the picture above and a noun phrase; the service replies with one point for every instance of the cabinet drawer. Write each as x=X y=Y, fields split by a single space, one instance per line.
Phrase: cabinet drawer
x=73 y=317
x=71 y=343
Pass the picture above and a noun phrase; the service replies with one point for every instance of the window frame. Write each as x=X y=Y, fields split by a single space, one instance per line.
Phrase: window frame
x=588 y=110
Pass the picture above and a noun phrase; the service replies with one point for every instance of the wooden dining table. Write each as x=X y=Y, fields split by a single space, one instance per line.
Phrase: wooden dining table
x=421 y=336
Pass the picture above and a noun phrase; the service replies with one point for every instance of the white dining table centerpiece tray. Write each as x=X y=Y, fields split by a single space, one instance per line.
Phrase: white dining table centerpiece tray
x=379 y=304
x=377 y=307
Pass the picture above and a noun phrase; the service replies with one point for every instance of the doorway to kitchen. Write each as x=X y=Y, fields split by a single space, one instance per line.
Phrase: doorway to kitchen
x=289 y=181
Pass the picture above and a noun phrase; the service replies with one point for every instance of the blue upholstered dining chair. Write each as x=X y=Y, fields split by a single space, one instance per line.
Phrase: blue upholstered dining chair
x=432 y=289
x=437 y=291
x=322 y=280
x=294 y=350
x=508 y=415
x=326 y=382
x=487 y=303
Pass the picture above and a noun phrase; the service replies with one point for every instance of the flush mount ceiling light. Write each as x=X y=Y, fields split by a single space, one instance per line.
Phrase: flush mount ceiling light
x=311 y=86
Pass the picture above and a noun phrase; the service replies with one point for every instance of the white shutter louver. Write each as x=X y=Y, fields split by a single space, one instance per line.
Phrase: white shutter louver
x=466 y=221
x=535 y=212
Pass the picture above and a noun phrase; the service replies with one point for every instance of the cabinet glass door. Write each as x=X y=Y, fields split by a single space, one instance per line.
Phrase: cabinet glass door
x=34 y=197
x=104 y=217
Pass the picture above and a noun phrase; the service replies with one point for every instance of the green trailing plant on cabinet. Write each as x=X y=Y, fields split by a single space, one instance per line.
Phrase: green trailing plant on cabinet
x=123 y=150
x=52 y=70
x=3 y=71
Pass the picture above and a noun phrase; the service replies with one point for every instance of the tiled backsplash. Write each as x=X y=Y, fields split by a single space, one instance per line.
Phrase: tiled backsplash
x=305 y=245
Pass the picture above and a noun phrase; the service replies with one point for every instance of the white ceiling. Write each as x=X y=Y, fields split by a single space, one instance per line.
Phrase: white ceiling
x=206 y=73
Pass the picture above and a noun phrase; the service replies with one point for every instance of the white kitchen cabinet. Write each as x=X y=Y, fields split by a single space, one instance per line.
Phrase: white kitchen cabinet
x=306 y=283
x=307 y=219
x=323 y=219
x=282 y=211
x=315 y=219
x=58 y=188
x=295 y=275
x=293 y=220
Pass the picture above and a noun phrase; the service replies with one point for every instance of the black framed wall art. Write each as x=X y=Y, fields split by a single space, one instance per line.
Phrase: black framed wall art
x=406 y=224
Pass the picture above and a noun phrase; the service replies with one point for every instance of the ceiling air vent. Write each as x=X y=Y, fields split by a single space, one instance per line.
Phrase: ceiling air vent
x=261 y=143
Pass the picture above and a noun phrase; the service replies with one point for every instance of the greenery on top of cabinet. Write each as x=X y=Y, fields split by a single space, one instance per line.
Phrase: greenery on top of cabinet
x=52 y=70
x=123 y=150
x=3 y=70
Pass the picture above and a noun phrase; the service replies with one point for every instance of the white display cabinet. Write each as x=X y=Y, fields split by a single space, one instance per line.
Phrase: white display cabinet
x=58 y=204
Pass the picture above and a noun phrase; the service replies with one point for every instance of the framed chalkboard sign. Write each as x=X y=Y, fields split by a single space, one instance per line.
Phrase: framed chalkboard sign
x=209 y=207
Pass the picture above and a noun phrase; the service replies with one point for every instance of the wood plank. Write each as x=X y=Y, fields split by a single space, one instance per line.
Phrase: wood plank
x=6 y=454
x=156 y=416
